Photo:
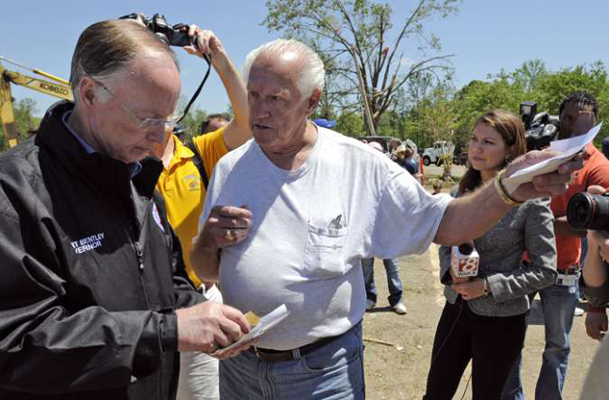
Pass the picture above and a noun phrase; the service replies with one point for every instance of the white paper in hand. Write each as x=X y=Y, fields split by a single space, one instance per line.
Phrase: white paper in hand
x=267 y=322
x=568 y=148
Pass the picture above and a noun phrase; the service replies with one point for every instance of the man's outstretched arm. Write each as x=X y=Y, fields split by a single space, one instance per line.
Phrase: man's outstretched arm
x=469 y=217
x=237 y=130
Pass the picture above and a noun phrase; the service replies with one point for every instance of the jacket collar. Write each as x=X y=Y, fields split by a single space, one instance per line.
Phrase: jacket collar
x=98 y=169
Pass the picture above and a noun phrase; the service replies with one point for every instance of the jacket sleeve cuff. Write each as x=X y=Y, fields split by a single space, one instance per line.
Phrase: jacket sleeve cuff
x=495 y=287
x=169 y=332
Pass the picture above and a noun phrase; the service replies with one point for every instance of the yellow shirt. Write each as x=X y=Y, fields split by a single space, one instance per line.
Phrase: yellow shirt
x=184 y=194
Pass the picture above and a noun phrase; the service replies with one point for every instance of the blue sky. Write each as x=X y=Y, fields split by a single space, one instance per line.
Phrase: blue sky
x=485 y=36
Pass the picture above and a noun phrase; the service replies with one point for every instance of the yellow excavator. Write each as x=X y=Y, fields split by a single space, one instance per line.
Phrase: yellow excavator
x=57 y=87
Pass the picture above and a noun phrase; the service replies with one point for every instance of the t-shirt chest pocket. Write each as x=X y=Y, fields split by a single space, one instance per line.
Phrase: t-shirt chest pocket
x=324 y=252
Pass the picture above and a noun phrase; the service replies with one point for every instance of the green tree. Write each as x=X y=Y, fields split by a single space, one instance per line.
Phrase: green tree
x=25 y=121
x=418 y=95
x=351 y=124
x=355 y=34
x=529 y=75
x=3 y=140
x=438 y=120
x=24 y=117
x=555 y=87
x=192 y=122
x=478 y=97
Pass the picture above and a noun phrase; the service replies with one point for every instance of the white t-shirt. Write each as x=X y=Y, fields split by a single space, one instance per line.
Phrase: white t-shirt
x=311 y=227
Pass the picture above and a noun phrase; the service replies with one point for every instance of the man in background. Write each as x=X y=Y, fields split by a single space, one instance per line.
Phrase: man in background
x=213 y=122
x=392 y=270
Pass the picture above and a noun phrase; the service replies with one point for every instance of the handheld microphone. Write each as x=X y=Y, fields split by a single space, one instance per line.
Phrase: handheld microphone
x=464 y=260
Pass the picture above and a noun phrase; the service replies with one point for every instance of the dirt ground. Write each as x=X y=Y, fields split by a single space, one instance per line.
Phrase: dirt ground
x=395 y=373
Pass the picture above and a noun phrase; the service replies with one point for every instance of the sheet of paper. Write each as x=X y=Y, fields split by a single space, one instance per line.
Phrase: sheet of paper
x=267 y=322
x=568 y=148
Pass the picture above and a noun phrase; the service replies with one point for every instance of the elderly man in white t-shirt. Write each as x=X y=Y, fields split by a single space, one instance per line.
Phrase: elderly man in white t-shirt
x=289 y=215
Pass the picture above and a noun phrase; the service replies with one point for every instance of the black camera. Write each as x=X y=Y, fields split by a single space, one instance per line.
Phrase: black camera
x=589 y=211
x=173 y=35
x=540 y=129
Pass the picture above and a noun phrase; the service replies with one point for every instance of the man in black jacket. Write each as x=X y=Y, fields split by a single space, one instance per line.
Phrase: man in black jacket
x=94 y=301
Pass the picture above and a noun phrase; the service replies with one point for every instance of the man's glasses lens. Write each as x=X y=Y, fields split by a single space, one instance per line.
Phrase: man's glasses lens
x=151 y=123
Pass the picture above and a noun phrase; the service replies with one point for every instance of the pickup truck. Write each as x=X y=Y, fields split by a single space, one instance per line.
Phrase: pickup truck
x=433 y=155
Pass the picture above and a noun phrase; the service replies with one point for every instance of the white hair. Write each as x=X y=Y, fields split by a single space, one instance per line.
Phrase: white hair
x=312 y=72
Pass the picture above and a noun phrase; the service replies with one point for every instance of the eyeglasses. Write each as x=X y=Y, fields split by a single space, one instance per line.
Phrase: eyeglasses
x=146 y=124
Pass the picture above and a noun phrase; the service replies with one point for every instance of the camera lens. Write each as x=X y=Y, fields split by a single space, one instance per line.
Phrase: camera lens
x=580 y=211
x=588 y=211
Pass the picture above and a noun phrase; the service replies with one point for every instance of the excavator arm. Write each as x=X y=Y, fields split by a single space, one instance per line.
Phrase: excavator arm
x=7 y=114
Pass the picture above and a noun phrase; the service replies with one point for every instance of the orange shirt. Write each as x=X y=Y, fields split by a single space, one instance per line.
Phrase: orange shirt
x=594 y=172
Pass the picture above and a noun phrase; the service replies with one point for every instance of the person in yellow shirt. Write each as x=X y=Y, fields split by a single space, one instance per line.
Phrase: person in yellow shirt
x=184 y=190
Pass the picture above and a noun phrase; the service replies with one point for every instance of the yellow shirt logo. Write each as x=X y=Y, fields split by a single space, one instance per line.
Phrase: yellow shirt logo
x=192 y=182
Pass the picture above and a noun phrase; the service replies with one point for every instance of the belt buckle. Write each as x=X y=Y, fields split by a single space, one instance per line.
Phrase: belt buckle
x=256 y=352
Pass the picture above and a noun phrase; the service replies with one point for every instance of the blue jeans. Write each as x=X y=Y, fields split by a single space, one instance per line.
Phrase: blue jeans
x=333 y=371
x=558 y=304
x=393 y=280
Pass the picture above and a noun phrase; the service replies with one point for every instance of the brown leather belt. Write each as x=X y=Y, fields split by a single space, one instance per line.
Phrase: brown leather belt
x=271 y=355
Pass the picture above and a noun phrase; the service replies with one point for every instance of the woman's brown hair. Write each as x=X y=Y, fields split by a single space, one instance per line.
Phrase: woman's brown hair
x=511 y=129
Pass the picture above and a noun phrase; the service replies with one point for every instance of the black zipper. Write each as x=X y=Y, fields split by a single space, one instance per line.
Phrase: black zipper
x=139 y=253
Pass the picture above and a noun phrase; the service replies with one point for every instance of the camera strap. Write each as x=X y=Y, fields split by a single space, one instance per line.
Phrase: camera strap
x=198 y=161
x=194 y=96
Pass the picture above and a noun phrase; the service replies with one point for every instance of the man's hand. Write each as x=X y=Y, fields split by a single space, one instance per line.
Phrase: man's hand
x=205 y=43
x=546 y=185
x=471 y=289
x=237 y=131
x=223 y=354
x=596 y=324
x=209 y=326
x=225 y=226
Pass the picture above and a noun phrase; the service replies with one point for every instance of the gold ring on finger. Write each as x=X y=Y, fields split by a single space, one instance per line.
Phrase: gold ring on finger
x=229 y=235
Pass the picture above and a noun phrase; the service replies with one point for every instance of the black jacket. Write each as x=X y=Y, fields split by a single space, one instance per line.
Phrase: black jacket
x=88 y=281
